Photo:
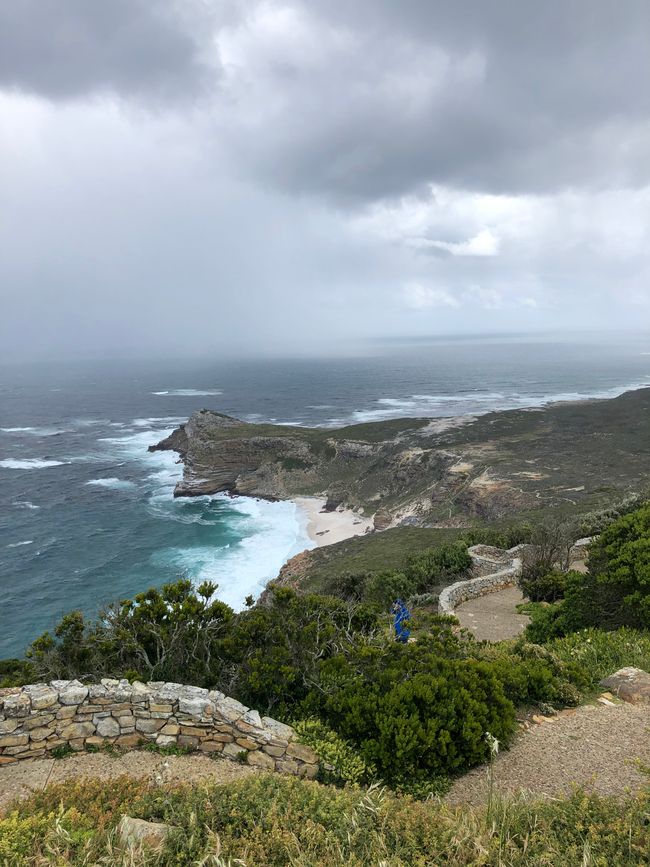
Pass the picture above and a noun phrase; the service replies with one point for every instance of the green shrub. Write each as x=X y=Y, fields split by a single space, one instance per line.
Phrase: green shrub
x=429 y=724
x=340 y=762
x=15 y=672
x=532 y=674
x=600 y=653
x=545 y=588
x=619 y=559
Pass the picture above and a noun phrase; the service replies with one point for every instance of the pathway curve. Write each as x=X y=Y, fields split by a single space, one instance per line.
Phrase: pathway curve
x=493 y=617
x=22 y=778
x=598 y=747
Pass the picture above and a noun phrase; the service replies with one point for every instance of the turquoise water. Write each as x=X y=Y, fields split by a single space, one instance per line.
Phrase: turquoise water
x=88 y=516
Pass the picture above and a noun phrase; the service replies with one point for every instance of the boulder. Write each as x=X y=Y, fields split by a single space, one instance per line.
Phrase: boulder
x=137 y=832
x=629 y=684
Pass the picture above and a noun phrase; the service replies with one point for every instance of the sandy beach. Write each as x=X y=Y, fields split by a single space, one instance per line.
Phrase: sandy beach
x=326 y=528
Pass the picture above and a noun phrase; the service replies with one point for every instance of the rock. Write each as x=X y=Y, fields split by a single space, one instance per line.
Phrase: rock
x=130 y=740
x=17 y=705
x=41 y=695
x=73 y=693
x=149 y=726
x=629 y=684
x=39 y=734
x=280 y=730
x=230 y=710
x=7 y=726
x=13 y=740
x=77 y=730
x=261 y=760
x=165 y=740
x=107 y=727
x=303 y=753
x=211 y=746
x=136 y=832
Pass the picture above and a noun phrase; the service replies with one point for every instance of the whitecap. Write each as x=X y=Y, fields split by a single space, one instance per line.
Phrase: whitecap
x=156 y=421
x=29 y=464
x=115 y=483
x=20 y=544
x=36 y=431
x=472 y=403
x=24 y=504
x=188 y=392
x=271 y=534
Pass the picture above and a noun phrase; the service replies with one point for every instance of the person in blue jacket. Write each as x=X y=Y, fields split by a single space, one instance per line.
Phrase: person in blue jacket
x=401 y=617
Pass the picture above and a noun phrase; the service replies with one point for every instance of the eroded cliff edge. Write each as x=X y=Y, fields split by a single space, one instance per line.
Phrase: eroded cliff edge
x=447 y=472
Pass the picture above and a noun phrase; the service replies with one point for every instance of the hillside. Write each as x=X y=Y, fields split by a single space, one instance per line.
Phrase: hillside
x=430 y=472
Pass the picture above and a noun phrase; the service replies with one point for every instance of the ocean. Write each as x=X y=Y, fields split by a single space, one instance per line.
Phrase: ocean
x=87 y=514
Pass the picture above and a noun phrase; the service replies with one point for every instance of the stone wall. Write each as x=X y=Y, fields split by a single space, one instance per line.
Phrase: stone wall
x=38 y=718
x=495 y=569
x=505 y=576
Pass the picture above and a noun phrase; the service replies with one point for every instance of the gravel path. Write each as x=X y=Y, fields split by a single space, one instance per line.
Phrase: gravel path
x=593 y=746
x=20 y=779
x=494 y=617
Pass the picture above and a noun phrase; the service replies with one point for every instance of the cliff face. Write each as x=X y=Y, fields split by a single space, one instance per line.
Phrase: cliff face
x=418 y=471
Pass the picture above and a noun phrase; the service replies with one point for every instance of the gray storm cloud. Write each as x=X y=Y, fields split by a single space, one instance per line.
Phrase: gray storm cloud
x=288 y=174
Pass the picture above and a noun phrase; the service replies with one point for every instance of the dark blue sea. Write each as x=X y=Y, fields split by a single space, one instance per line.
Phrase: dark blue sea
x=87 y=514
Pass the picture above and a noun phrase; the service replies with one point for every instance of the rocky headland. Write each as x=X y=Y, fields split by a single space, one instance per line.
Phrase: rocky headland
x=424 y=472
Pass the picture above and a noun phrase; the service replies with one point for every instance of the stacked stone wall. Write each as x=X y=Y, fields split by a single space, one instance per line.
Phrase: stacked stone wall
x=36 y=719
x=495 y=569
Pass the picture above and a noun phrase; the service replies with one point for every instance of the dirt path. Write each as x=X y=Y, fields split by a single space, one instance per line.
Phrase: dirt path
x=494 y=617
x=594 y=746
x=22 y=778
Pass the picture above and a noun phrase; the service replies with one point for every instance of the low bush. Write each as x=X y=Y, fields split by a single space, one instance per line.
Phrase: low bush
x=548 y=587
x=277 y=821
x=532 y=674
x=340 y=762
x=616 y=590
x=431 y=723
x=599 y=653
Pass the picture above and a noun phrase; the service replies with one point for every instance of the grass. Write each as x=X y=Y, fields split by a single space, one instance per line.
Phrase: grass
x=602 y=653
x=376 y=552
x=275 y=821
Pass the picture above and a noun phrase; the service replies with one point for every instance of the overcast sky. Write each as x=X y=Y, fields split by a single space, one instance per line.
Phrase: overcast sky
x=201 y=176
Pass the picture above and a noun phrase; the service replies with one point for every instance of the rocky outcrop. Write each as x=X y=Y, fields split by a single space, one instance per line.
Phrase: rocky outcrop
x=38 y=718
x=629 y=684
x=417 y=472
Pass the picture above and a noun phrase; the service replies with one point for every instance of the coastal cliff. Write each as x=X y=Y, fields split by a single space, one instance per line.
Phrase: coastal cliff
x=442 y=472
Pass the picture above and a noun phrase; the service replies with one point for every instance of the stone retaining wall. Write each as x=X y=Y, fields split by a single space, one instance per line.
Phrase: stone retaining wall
x=461 y=591
x=38 y=718
x=495 y=569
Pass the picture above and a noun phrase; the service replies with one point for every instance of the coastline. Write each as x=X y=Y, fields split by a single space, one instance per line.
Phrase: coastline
x=327 y=528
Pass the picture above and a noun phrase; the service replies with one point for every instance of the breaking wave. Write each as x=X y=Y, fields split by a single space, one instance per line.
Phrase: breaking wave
x=29 y=464
x=189 y=392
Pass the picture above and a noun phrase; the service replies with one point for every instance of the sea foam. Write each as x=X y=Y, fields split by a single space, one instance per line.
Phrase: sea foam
x=29 y=464
x=188 y=392
x=115 y=483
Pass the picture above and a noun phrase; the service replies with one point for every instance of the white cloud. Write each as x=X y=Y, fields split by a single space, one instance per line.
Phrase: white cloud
x=485 y=243
x=420 y=297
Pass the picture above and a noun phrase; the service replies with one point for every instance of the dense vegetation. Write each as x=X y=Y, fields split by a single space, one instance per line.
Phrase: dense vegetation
x=615 y=591
x=275 y=821
x=411 y=715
